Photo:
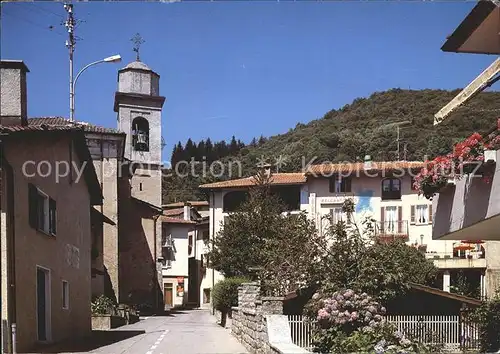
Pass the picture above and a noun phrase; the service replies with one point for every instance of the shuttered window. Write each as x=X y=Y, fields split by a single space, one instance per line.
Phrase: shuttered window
x=42 y=211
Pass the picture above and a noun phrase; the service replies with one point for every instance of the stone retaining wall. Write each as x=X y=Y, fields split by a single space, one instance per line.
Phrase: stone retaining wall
x=249 y=321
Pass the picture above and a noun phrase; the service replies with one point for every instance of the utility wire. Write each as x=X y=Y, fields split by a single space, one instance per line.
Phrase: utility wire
x=48 y=28
x=40 y=8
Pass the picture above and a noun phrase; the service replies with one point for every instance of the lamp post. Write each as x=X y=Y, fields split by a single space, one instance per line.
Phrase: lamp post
x=112 y=59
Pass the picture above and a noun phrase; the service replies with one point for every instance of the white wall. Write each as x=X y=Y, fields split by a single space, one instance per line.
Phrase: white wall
x=367 y=195
x=216 y=217
x=317 y=200
x=180 y=265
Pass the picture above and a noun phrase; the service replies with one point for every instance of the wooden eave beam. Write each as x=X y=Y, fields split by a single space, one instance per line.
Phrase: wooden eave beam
x=477 y=85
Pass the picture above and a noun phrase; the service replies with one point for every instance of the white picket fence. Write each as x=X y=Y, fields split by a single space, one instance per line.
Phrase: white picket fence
x=446 y=330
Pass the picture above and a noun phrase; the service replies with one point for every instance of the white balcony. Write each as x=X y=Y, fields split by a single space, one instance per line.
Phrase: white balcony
x=470 y=210
x=448 y=261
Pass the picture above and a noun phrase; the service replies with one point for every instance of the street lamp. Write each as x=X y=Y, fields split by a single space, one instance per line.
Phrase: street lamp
x=112 y=59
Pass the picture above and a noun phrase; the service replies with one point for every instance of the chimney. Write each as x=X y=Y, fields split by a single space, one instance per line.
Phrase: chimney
x=13 y=102
x=368 y=162
x=187 y=211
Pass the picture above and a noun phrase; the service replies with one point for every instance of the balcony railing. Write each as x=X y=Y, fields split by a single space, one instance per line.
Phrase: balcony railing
x=392 y=230
x=449 y=255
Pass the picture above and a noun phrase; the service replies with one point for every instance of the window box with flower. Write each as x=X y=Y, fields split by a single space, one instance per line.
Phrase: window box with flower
x=468 y=157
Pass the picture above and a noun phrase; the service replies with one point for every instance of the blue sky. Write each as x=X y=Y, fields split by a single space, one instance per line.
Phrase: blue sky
x=242 y=68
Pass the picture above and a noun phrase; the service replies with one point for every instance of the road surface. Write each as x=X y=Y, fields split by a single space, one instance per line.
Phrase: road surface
x=182 y=332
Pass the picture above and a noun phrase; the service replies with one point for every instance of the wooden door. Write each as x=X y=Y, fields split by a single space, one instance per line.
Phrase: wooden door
x=168 y=294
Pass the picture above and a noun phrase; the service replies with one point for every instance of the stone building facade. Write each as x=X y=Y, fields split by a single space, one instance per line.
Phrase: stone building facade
x=127 y=266
x=45 y=224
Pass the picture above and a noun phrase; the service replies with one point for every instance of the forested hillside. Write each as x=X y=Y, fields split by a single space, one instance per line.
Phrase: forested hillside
x=364 y=127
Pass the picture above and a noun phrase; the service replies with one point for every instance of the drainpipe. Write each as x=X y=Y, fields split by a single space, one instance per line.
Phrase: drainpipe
x=11 y=246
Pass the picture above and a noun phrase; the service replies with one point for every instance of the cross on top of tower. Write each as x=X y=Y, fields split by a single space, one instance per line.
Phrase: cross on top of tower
x=137 y=40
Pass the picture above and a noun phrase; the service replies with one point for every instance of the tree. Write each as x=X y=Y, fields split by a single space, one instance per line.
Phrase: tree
x=238 y=248
x=209 y=150
x=201 y=151
x=177 y=154
x=385 y=270
x=260 y=241
x=356 y=259
x=233 y=146
x=190 y=149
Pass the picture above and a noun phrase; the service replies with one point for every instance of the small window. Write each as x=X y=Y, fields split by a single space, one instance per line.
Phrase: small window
x=340 y=184
x=421 y=214
x=190 y=244
x=140 y=187
x=391 y=189
x=65 y=295
x=42 y=211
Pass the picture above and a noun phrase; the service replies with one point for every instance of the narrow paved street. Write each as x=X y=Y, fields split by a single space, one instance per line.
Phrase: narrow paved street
x=183 y=332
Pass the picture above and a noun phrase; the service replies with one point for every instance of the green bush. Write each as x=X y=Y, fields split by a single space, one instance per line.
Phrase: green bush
x=103 y=305
x=488 y=318
x=225 y=293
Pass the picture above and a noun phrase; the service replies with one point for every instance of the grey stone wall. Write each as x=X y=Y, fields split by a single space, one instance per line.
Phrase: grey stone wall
x=248 y=319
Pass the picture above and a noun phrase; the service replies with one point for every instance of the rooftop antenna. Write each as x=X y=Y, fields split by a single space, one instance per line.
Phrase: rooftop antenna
x=398 y=135
x=70 y=44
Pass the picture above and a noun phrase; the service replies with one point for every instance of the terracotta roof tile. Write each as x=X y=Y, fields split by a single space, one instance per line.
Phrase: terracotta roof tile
x=170 y=220
x=61 y=121
x=325 y=170
x=38 y=128
x=172 y=212
x=353 y=167
x=276 y=179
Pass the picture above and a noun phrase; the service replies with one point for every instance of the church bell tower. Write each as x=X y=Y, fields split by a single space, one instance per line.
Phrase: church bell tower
x=138 y=105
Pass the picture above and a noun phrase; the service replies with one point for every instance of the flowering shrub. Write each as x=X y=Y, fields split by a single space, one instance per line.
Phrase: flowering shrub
x=350 y=311
x=349 y=322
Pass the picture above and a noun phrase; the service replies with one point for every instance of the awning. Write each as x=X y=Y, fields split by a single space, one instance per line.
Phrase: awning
x=485 y=230
x=478 y=32
x=462 y=247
